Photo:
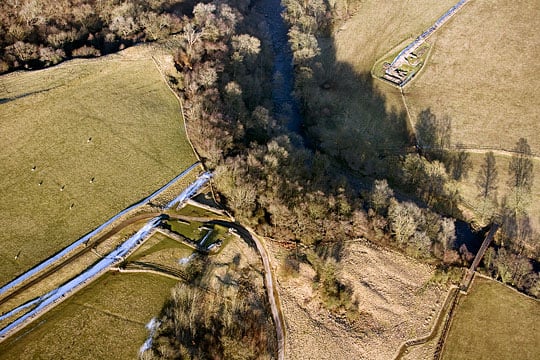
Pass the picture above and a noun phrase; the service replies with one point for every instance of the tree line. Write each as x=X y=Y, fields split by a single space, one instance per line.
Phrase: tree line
x=41 y=33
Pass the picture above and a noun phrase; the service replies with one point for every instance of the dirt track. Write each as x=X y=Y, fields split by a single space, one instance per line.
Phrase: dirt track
x=246 y=234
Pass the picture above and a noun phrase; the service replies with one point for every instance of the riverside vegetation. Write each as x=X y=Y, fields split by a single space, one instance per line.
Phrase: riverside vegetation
x=359 y=176
x=429 y=177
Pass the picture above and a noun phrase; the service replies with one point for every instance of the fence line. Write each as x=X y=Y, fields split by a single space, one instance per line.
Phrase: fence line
x=420 y=39
x=480 y=148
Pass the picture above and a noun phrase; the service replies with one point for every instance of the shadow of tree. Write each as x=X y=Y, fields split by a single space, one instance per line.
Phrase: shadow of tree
x=346 y=117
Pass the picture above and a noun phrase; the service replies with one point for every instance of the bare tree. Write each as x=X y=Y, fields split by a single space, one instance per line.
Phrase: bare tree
x=381 y=195
x=433 y=133
x=521 y=176
x=486 y=180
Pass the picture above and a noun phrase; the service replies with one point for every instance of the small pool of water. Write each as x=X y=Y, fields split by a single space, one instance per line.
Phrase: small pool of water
x=466 y=235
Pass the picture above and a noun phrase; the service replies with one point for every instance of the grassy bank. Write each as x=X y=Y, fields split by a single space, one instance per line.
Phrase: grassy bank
x=81 y=141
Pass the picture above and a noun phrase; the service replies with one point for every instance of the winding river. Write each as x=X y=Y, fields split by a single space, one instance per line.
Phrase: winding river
x=285 y=105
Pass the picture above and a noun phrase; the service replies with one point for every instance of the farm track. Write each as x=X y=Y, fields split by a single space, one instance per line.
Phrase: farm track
x=251 y=238
x=53 y=297
x=494 y=151
x=247 y=235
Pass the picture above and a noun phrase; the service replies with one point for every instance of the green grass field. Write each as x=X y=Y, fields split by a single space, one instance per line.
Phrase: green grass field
x=106 y=320
x=493 y=322
x=112 y=119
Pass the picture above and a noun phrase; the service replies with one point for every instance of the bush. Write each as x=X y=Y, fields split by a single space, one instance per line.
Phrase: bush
x=86 y=51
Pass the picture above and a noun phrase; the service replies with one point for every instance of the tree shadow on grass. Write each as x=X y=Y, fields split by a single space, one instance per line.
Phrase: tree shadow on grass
x=347 y=117
x=6 y=100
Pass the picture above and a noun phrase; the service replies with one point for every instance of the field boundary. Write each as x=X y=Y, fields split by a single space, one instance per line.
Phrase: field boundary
x=410 y=127
x=444 y=316
x=154 y=272
x=164 y=77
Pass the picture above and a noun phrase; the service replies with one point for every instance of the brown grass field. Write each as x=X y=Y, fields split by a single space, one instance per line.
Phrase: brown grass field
x=469 y=191
x=493 y=322
x=395 y=296
x=482 y=73
x=106 y=320
x=47 y=119
x=378 y=27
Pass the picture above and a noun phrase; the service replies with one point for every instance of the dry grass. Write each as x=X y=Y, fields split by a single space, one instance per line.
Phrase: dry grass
x=378 y=27
x=469 y=191
x=347 y=101
x=483 y=74
x=494 y=322
x=395 y=299
x=104 y=321
x=46 y=119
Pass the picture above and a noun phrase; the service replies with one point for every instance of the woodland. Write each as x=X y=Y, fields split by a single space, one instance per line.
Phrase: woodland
x=338 y=178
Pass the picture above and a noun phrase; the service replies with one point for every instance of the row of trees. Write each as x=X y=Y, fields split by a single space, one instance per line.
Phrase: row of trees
x=40 y=33
x=518 y=244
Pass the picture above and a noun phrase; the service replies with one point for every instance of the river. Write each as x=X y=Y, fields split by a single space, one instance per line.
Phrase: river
x=285 y=105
